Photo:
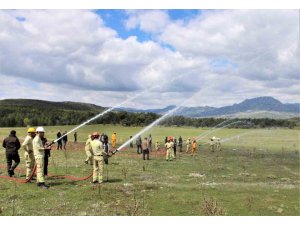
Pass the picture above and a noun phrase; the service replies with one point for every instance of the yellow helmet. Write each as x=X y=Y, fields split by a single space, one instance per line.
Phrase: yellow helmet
x=31 y=130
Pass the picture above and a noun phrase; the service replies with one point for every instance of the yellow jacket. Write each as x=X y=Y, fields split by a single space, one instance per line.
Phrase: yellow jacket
x=38 y=148
x=169 y=145
x=27 y=144
x=97 y=147
x=88 y=145
x=113 y=137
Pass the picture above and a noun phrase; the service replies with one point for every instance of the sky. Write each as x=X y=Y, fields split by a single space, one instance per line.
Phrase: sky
x=103 y=57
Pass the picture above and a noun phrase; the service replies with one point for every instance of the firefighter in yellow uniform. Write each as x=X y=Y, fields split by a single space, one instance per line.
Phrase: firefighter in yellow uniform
x=98 y=153
x=39 y=153
x=169 y=146
x=28 y=148
x=88 y=151
x=188 y=145
x=212 y=144
x=194 y=147
x=114 y=139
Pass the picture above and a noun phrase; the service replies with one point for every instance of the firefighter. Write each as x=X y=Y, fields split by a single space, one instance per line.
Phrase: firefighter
x=12 y=145
x=28 y=148
x=188 y=145
x=114 y=139
x=88 y=151
x=194 y=147
x=157 y=146
x=218 y=144
x=98 y=153
x=39 y=154
x=212 y=144
x=169 y=146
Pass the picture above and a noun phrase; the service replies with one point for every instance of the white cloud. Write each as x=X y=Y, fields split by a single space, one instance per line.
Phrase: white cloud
x=67 y=55
x=152 y=21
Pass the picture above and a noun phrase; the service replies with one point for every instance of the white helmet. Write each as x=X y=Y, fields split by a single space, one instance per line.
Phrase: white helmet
x=40 y=129
x=213 y=137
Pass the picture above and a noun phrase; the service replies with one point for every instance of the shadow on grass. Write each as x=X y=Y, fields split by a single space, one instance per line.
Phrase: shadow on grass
x=113 y=180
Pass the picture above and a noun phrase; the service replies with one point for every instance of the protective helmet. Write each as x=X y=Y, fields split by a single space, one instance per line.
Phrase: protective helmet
x=214 y=137
x=170 y=138
x=95 y=134
x=31 y=130
x=40 y=129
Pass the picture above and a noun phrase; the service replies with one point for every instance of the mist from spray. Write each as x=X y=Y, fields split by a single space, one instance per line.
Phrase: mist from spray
x=216 y=129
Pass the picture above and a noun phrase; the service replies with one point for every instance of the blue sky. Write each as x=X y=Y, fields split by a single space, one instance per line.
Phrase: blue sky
x=115 y=19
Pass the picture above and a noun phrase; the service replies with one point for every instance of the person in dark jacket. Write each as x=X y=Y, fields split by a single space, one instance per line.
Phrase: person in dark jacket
x=59 y=142
x=12 y=145
x=47 y=155
x=138 y=143
x=104 y=140
x=180 y=143
x=75 y=137
x=65 y=140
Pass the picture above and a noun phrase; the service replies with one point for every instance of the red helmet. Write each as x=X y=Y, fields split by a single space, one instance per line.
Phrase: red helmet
x=170 y=138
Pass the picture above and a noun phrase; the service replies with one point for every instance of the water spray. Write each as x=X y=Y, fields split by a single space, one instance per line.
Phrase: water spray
x=170 y=112
x=112 y=108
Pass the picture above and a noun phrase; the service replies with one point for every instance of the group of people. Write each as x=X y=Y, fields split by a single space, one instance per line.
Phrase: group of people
x=36 y=151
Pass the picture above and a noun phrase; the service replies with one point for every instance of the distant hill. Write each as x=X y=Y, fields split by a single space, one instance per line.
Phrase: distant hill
x=24 y=112
x=40 y=104
x=260 y=107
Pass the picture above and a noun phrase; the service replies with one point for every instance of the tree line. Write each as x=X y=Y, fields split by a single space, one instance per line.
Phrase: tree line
x=18 y=116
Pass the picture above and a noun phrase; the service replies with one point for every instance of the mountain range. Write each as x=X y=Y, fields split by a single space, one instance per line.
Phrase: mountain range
x=260 y=107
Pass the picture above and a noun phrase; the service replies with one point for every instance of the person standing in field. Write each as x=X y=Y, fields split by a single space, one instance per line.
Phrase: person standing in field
x=145 y=147
x=88 y=151
x=75 y=137
x=98 y=153
x=131 y=143
x=47 y=155
x=180 y=143
x=28 y=148
x=114 y=139
x=212 y=144
x=157 y=146
x=59 y=142
x=194 y=147
x=169 y=146
x=65 y=140
x=188 y=145
x=174 y=147
x=39 y=154
x=138 y=143
x=150 y=143
x=12 y=145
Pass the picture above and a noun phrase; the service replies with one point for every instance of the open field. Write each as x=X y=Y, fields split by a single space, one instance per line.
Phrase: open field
x=255 y=174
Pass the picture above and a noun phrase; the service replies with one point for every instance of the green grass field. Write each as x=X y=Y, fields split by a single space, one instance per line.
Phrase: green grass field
x=255 y=174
